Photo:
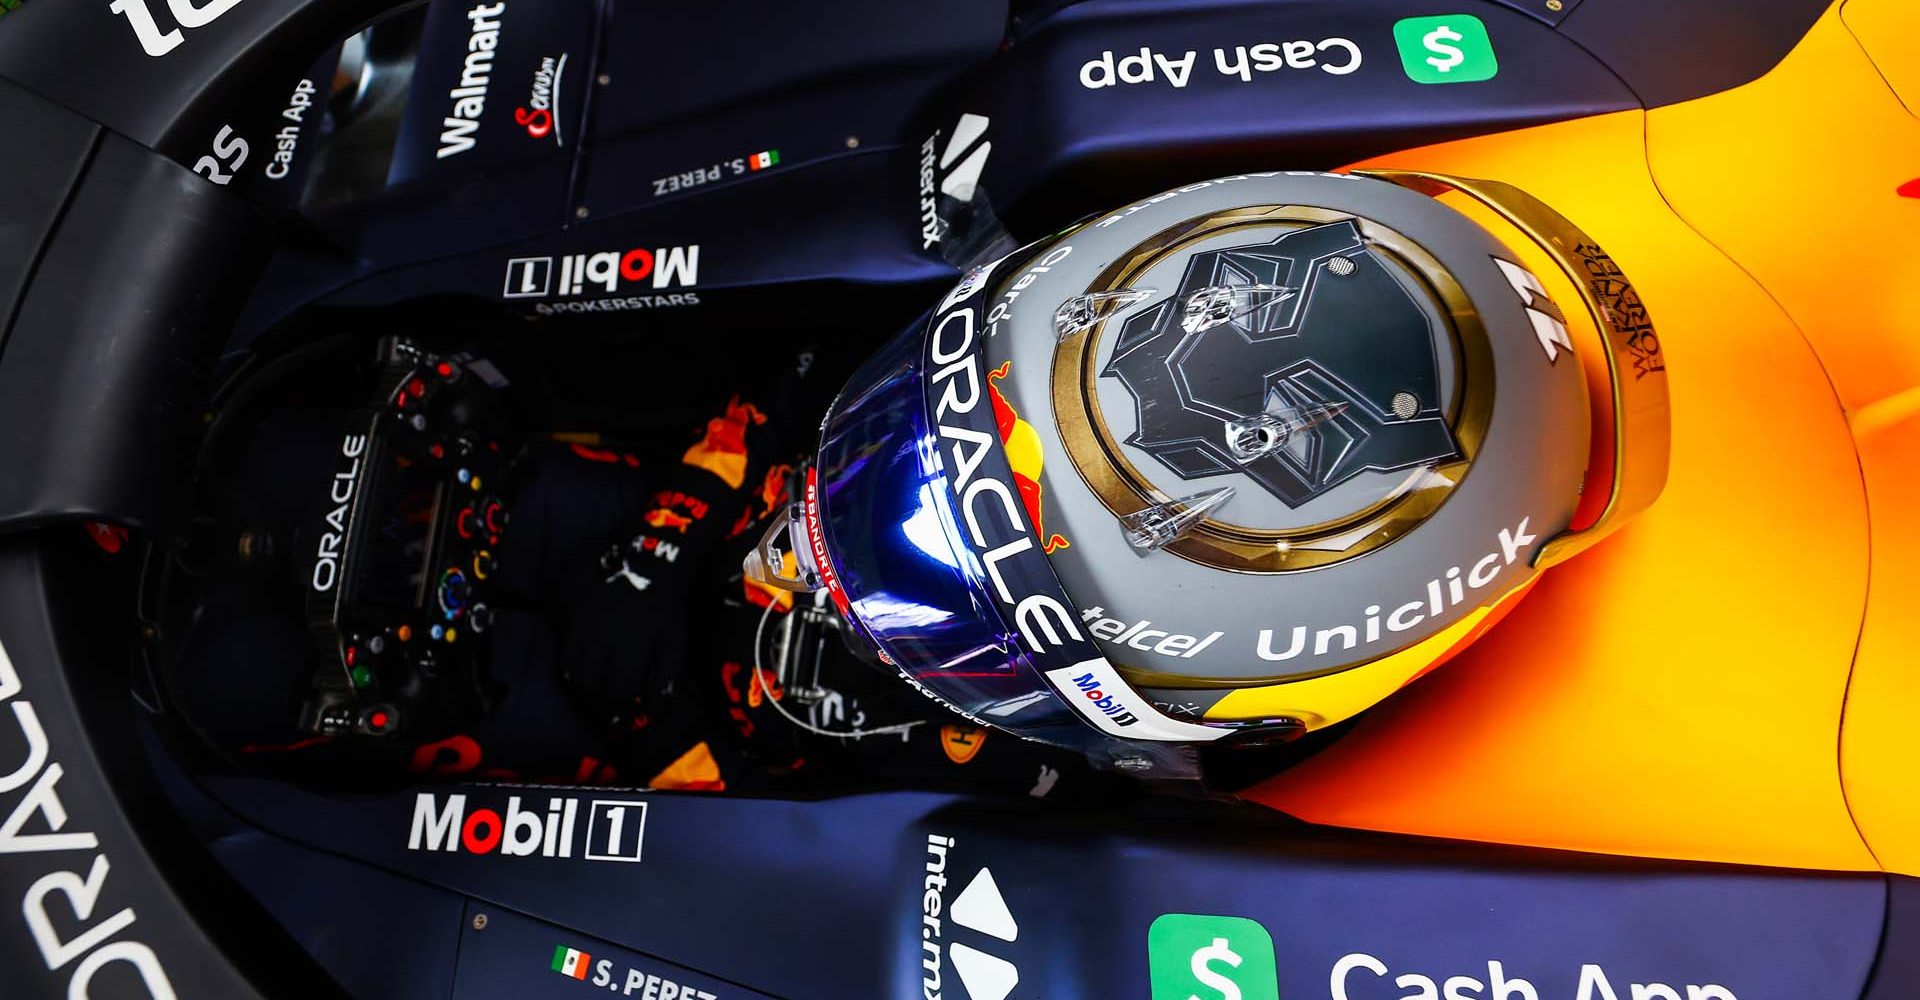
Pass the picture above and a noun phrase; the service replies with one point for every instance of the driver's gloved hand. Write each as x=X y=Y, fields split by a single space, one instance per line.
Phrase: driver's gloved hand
x=626 y=632
x=630 y=642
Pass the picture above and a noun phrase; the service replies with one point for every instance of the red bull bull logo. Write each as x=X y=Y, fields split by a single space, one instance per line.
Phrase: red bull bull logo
x=676 y=510
x=661 y=517
x=774 y=494
x=723 y=451
x=773 y=489
x=1024 y=454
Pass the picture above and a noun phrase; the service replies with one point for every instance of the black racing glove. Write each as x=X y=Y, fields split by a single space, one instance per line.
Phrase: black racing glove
x=627 y=635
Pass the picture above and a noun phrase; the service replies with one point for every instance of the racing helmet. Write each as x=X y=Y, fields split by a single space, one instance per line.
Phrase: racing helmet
x=1238 y=460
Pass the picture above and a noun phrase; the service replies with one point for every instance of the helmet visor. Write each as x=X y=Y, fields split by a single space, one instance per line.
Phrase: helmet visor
x=916 y=527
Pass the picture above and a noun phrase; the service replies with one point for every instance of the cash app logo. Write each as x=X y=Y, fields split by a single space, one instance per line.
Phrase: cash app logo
x=1445 y=48
x=1193 y=957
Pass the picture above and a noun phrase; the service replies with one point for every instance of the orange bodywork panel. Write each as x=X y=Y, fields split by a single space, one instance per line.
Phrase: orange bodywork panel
x=1880 y=744
x=1680 y=690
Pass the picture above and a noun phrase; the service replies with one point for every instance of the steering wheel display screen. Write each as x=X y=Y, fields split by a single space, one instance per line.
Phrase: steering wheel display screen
x=397 y=557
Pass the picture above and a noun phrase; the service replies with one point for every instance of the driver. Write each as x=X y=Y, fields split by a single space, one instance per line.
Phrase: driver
x=1229 y=464
x=755 y=689
x=651 y=661
x=1220 y=468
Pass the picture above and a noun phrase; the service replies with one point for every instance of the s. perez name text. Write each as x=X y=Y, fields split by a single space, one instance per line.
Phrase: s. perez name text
x=1443 y=592
x=645 y=985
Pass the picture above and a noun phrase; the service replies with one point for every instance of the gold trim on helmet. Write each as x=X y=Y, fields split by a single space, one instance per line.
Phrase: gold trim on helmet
x=1636 y=369
x=1635 y=415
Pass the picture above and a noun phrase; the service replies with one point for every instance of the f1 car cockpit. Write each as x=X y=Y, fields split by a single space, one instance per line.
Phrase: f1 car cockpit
x=441 y=554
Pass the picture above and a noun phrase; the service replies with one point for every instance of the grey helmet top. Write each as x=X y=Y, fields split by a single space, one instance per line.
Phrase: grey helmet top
x=1241 y=458
x=1331 y=390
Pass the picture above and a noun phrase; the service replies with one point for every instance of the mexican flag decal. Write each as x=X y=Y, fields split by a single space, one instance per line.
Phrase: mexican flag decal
x=763 y=159
x=570 y=962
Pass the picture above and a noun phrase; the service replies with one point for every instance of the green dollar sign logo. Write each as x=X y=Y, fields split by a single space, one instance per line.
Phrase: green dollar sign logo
x=1446 y=48
x=1203 y=959
x=1445 y=57
x=1196 y=957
